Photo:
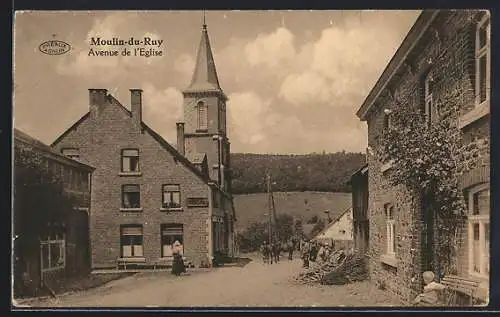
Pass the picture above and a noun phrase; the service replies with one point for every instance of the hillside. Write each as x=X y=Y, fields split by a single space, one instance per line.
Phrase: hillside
x=312 y=172
x=301 y=205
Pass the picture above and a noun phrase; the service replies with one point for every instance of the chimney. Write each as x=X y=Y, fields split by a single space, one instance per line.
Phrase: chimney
x=136 y=107
x=97 y=100
x=181 y=147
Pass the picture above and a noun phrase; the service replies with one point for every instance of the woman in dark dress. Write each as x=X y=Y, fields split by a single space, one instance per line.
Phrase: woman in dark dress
x=178 y=263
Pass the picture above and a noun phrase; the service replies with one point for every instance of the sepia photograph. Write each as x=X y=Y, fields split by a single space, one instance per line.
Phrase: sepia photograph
x=248 y=159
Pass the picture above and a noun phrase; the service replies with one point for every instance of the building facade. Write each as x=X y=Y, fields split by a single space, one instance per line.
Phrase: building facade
x=361 y=228
x=64 y=248
x=148 y=194
x=445 y=51
x=339 y=231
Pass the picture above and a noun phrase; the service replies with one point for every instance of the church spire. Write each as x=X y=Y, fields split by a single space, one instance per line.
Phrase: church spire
x=205 y=74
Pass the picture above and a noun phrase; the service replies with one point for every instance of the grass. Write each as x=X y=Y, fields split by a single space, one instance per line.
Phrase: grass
x=301 y=205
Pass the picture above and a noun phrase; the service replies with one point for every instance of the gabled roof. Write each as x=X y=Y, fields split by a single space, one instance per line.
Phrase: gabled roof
x=20 y=136
x=334 y=221
x=410 y=41
x=177 y=156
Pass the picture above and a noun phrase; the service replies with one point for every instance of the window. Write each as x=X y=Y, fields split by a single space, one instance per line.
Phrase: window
x=131 y=196
x=479 y=230
x=202 y=116
x=171 y=196
x=131 y=241
x=53 y=252
x=428 y=99
x=169 y=234
x=390 y=229
x=71 y=153
x=483 y=60
x=130 y=161
x=387 y=121
x=197 y=202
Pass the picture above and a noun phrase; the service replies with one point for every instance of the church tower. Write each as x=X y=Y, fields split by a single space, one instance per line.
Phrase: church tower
x=204 y=132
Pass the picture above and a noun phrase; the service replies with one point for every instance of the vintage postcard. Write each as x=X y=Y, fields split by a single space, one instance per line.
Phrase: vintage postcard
x=175 y=159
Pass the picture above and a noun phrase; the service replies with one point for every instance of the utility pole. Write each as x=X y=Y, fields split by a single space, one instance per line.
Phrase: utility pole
x=269 y=201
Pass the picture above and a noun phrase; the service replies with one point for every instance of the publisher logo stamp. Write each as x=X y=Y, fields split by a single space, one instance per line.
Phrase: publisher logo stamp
x=54 y=47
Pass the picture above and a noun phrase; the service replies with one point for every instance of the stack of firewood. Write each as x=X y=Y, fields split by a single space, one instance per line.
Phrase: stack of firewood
x=339 y=268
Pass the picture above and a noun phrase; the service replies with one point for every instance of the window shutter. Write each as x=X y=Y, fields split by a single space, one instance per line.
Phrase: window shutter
x=132 y=231
x=130 y=188
x=171 y=188
x=172 y=230
x=130 y=152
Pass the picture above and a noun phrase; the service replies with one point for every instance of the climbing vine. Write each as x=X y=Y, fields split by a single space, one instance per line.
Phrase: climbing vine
x=426 y=159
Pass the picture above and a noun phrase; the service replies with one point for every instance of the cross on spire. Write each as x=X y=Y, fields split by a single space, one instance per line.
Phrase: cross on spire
x=204 y=20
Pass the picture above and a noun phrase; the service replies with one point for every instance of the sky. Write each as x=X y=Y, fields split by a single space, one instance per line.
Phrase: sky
x=294 y=79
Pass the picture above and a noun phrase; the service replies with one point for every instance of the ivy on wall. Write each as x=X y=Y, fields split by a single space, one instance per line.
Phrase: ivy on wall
x=425 y=159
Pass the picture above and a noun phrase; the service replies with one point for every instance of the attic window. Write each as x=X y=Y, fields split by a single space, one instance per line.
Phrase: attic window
x=72 y=153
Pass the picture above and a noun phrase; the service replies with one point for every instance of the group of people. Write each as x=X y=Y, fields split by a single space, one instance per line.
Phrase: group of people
x=271 y=251
x=311 y=250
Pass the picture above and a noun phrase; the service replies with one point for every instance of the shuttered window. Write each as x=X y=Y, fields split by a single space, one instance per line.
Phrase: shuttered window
x=202 y=116
x=131 y=241
x=169 y=234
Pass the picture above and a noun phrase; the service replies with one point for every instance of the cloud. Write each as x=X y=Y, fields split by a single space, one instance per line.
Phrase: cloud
x=271 y=48
x=305 y=89
x=85 y=62
x=162 y=109
x=246 y=111
x=184 y=64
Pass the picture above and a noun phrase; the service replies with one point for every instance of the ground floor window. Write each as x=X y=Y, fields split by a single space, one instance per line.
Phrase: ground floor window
x=131 y=241
x=53 y=252
x=169 y=234
x=390 y=229
x=479 y=230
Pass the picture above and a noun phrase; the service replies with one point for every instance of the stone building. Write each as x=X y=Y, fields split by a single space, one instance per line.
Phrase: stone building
x=359 y=185
x=64 y=248
x=148 y=194
x=445 y=51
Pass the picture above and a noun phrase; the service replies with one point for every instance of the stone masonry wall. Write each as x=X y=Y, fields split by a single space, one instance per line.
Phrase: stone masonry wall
x=451 y=56
x=100 y=139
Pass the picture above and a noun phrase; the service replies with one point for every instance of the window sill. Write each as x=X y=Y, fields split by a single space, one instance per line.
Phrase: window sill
x=386 y=166
x=52 y=269
x=131 y=209
x=389 y=259
x=130 y=174
x=171 y=209
x=86 y=209
x=475 y=114
x=197 y=206
x=201 y=130
x=132 y=259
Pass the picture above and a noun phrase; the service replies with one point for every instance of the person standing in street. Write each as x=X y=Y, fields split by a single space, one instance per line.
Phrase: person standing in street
x=305 y=254
x=178 y=264
x=290 y=249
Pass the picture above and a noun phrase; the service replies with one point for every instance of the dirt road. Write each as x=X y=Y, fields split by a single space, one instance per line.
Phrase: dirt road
x=255 y=284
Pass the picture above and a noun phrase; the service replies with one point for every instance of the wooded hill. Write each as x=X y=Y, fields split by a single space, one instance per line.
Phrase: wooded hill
x=312 y=172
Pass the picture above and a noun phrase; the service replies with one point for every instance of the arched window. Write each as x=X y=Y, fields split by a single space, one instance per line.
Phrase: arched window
x=202 y=116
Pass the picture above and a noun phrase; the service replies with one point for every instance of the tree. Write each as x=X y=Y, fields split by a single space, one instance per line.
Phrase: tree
x=40 y=201
x=426 y=160
x=285 y=226
x=314 y=219
x=318 y=226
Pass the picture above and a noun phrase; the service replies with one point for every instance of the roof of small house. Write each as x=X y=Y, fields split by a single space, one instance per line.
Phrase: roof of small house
x=334 y=221
x=20 y=136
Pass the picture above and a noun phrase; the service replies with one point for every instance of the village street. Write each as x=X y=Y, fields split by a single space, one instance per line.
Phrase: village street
x=255 y=284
